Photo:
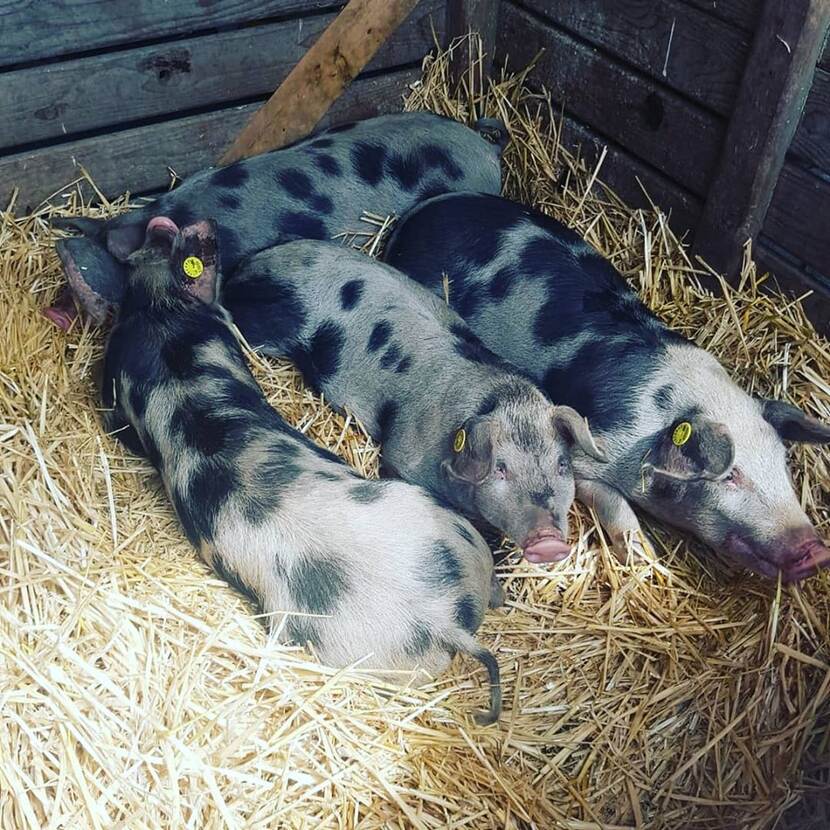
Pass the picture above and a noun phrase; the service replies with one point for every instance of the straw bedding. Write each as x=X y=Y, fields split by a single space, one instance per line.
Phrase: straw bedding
x=137 y=690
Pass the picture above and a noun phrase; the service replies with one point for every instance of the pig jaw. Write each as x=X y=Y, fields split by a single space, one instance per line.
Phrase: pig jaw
x=795 y=555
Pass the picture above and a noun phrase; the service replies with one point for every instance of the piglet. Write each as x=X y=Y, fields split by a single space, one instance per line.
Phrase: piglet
x=450 y=415
x=369 y=571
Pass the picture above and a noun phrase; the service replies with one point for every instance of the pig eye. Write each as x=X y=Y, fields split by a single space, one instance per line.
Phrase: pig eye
x=733 y=477
x=564 y=466
x=501 y=469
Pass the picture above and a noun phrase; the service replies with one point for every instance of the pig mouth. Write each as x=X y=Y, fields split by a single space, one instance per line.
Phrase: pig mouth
x=545 y=545
x=806 y=561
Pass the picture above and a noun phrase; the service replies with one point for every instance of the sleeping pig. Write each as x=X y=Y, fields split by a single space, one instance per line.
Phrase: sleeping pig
x=686 y=444
x=369 y=571
x=450 y=416
x=314 y=189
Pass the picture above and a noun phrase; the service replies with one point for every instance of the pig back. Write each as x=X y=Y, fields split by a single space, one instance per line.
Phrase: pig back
x=537 y=295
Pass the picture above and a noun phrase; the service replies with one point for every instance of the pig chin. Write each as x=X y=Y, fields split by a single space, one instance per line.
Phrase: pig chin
x=795 y=556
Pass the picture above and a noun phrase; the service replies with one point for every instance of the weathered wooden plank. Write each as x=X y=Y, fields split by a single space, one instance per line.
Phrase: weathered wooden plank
x=791 y=277
x=481 y=16
x=627 y=176
x=687 y=49
x=116 y=88
x=799 y=216
x=812 y=138
x=49 y=28
x=324 y=71
x=741 y=13
x=137 y=159
x=773 y=91
x=675 y=136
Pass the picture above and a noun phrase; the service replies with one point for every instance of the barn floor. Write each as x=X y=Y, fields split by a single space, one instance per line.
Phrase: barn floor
x=137 y=690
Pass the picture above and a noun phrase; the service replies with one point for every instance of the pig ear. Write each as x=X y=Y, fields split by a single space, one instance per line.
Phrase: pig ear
x=576 y=431
x=470 y=451
x=693 y=450
x=121 y=242
x=794 y=425
x=197 y=259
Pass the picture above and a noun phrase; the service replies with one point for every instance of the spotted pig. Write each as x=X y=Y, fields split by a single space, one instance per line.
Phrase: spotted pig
x=686 y=443
x=314 y=189
x=368 y=571
x=450 y=415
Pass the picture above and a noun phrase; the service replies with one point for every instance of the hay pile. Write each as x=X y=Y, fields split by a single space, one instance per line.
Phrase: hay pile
x=136 y=689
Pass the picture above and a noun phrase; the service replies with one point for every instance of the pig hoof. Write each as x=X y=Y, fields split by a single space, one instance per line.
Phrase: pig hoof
x=634 y=544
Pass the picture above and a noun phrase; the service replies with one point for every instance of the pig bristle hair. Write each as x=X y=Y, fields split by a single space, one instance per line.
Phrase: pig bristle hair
x=138 y=690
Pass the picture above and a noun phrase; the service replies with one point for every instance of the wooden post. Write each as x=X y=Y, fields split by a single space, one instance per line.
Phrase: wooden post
x=770 y=100
x=480 y=16
x=320 y=76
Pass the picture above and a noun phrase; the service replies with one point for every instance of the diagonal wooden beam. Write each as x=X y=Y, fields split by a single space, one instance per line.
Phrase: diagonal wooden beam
x=777 y=78
x=320 y=76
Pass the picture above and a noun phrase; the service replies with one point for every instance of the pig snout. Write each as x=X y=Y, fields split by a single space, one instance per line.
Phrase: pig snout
x=545 y=544
x=795 y=555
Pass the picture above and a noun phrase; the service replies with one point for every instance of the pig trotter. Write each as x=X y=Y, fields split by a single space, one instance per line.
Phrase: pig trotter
x=616 y=517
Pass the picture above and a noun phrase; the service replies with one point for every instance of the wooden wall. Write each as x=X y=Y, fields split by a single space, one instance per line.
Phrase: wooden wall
x=657 y=83
x=127 y=88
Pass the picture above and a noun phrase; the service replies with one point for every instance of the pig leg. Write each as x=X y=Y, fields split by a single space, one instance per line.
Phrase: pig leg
x=616 y=516
x=496 y=593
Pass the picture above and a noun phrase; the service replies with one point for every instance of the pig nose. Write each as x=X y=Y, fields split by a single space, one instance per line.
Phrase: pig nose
x=805 y=561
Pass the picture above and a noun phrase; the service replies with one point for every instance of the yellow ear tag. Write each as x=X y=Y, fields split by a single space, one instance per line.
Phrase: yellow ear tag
x=682 y=433
x=193 y=267
x=460 y=440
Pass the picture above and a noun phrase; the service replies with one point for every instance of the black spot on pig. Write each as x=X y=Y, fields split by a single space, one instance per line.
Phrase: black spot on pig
x=468 y=302
x=230 y=249
x=341 y=128
x=317 y=585
x=209 y=489
x=541 y=498
x=379 y=336
x=321 y=143
x=502 y=283
x=368 y=161
x=442 y=569
x=182 y=215
x=386 y=418
x=178 y=354
x=403 y=367
x=202 y=428
x=295 y=182
x=321 y=204
x=539 y=255
x=419 y=641
x=390 y=357
x=545 y=329
x=320 y=358
x=232 y=577
x=328 y=164
x=273 y=473
x=464 y=533
x=325 y=475
x=468 y=614
x=368 y=492
x=406 y=169
x=232 y=176
x=350 y=294
x=435 y=156
x=302 y=631
x=137 y=400
x=302 y=225
x=229 y=201
x=266 y=309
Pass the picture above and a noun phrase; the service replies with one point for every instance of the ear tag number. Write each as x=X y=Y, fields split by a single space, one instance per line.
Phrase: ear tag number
x=682 y=433
x=459 y=440
x=193 y=267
